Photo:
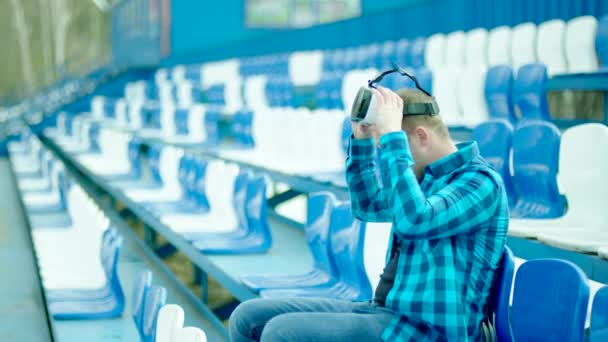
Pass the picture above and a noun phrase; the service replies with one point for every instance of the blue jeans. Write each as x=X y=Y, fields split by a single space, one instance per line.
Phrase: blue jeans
x=308 y=319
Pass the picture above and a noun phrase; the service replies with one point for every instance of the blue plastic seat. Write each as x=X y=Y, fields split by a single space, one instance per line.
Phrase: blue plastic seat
x=403 y=52
x=240 y=199
x=530 y=92
x=155 y=299
x=135 y=171
x=495 y=139
x=373 y=56
x=212 y=119
x=599 y=316
x=319 y=210
x=258 y=238
x=416 y=53
x=535 y=160
x=346 y=250
x=601 y=42
x=550 y=299
x=107 y=307
x=387 y=54
x=143 y=282
x=500 y=295
x=499 y=93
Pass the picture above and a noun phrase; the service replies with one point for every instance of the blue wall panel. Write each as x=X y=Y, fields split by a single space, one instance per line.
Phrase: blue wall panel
x=205 y=31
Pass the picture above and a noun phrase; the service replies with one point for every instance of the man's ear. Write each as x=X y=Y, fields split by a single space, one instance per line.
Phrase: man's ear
x=422 y=135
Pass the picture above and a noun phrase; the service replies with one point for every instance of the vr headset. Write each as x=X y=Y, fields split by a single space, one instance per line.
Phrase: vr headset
x=364 y=106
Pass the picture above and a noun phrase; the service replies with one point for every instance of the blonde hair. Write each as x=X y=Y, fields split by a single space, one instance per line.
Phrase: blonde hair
x=432 y=122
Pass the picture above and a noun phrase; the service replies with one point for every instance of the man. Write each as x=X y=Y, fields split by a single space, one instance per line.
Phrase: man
x=450 y=218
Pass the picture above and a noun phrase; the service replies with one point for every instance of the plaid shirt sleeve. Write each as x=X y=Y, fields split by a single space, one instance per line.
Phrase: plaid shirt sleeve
x=368 y=199
x=464 y=204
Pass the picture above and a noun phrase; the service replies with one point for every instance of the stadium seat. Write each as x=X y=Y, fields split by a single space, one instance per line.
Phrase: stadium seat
x=550 y=47
x=445 y=90
x=143 y=282
x=387 y=54
x=541 y=286
x=583 y=162
x=191 y=334
x=471 y=93
x=580 y=44
x=535 y=160
x=601 y=42
x=417 y=48
x=499 y=93
x=494 y=139
x=346 y=246
x=455 y=48
x=476 y=47
x=257 y=238
x=530 y=93
x=155 y=299
x=109 y=307
x=523 y=45
x=319 y=209
x=499 y=46
x=403 y=55
x=599 y=316
x=434 y=54
x=169 y=323
x=500 y=295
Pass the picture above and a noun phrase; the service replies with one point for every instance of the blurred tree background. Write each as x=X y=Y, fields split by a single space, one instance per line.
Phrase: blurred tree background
x=44 y=41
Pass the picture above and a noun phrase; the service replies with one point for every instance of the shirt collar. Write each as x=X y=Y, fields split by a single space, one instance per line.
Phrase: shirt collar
x=467 y=151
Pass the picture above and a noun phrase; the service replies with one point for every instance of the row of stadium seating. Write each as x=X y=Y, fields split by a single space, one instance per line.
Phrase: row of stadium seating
x=342 y=254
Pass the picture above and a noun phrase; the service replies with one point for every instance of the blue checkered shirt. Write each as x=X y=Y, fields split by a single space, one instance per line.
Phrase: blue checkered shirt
x=451 y=228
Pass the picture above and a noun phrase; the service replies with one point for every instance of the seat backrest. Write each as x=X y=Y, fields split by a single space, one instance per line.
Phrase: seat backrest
x=471 y=89
x=498 y=304
x=583 y=166
x=239 y=199
x=494 y=139
x=550 y=47
x=387 y=54
x=601 y=41
x=155 y=299
x=143 y=281
x=550 y=299
x=499 y=93
x=445 y=90
x=169 y=166
x=455 y=45
x=535 y=160
x=169 y=323
x=476 y=46
x=599 y=316
x=499 y=46
x=347 y=237
x=434 y=52
x=580 y=44
x=402 y=52
x=417 y=47
x=219 y=185
x=191 y=334
x=530 y=92
x=319 y=209
x=196 y=181
x=257 y=214
x=523 y=45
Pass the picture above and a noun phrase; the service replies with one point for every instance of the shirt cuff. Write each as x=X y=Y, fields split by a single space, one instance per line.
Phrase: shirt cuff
x=362 y=149
x=395 y=144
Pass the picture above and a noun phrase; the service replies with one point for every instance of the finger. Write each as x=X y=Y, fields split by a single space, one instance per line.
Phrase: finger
x=398 y=101
x=379 y=96
x=386 y=93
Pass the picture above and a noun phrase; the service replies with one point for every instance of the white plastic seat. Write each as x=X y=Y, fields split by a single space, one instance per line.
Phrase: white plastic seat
x=353 y=80
x=434 y=52
x=377 y=236
x=523 y=45
x=550 y=47
x=305 y=68
x=583 y=164
x=471 y=92
x=499 y=46
x=219 y=188
x=455 y=45
x=476 y=47
x=255 y=93
x=191 y=334
x=445 y=90
x=580 y=44
x=169 y=323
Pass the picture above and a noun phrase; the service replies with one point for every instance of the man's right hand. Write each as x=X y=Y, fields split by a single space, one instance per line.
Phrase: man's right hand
x=361 y=131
